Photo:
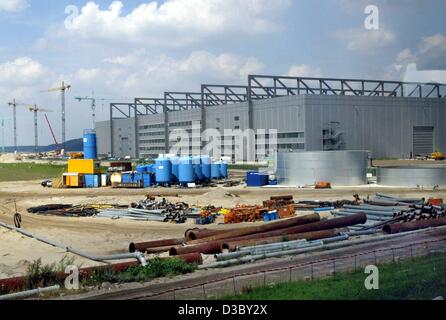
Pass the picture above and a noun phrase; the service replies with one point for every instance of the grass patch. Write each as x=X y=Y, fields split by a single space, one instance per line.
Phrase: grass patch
x=156 y=268
x=417 y=279
x=39 y=275
x=29 y=171
x=247 y=167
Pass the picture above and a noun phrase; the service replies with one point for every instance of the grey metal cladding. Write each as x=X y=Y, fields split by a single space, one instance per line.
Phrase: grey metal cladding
x=340 y=168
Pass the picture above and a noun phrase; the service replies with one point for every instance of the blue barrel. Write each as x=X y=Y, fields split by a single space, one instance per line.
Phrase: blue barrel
x=197 y=168
x=163 y=171
x=186 y=170
x=150 y=168
x=215 y=170
x=90 y=146
x=141 y=169
x=175 y=168
x=206 y=167
x=224 y=170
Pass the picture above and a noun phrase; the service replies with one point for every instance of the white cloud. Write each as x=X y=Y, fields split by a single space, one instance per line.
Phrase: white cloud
x=176 y=22
x=13 y=5
x=22 y=70
x=412 y=74
x=304 y=70
x=363 y=40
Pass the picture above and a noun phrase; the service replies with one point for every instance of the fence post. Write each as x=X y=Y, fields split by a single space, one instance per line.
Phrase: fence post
x=355 y=263
x=204 y=293
x=334 y=266
x=374 y=254
x=174 y=295
x=291 y=270
x=233 y=283
x=312 y=271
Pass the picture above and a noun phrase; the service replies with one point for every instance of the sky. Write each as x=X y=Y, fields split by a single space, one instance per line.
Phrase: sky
x=123 y=49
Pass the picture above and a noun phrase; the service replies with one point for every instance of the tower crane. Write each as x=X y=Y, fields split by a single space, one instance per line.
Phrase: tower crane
x=14 y=104
x=36 y=110
x=2 y=124
x=93 y=101
x=65 y=87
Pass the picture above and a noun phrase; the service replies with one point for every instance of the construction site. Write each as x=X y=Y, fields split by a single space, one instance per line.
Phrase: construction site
x=217 y=178
x=298 y=216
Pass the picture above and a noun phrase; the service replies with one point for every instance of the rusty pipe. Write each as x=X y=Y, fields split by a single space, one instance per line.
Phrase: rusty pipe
x=143 y=246
x=206 y=248
x=343 y=222
x=415 y=225
x=204 y=233
x=280 y=225
x=316 y=235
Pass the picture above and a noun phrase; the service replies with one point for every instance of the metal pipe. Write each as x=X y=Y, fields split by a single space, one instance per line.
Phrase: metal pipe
x=233 y=245
x=415 y=225
x=274 y=226
x=331 y=246
x=376 y=208
x=206 y=248
x=259 y=251
x=136 y=255
x=29 y=293
x=143 y=246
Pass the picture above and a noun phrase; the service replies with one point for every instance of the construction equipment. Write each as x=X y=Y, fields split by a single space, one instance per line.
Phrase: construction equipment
x=35 y=109
x=2 y=123
x=438 y=156
x=93 y=101
x=14 y=106
x=63 y=90
x=58 y=151
x=84 y=166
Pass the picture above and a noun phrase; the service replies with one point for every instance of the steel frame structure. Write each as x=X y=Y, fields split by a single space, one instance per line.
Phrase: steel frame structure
x=265 y=87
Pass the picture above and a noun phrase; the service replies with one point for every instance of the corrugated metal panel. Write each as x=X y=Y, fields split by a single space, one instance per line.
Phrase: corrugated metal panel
x=423 y=140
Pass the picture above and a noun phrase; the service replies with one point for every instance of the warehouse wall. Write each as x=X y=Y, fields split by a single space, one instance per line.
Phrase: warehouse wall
x=103 y=138
x=123 y=138
x=383 y=125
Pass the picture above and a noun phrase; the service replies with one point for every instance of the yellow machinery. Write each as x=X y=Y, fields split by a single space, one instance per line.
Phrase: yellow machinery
x=73 y=180
x=84 y=166
x=438 y=156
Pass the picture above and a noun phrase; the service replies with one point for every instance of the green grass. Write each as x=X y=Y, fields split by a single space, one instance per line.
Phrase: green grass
x=247 y=167
x=156 y=268
x=418 y=279
x=29 y=171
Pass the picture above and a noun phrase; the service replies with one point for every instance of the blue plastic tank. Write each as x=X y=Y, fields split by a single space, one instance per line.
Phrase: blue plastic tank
x=186 y=170
x=175 y=161
x=141 y=169
x=206 y=167
x=90 y=145
x=163 y=171
x=224 y=170
x=198 y=172
x=150 y=168
x=215 y=170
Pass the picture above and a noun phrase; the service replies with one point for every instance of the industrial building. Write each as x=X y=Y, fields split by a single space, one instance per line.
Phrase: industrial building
x=391 y=119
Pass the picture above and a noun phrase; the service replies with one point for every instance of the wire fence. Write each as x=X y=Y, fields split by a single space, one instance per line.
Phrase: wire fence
x=307 y=271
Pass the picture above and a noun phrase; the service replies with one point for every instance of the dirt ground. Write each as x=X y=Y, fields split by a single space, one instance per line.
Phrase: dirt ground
x=106 y=236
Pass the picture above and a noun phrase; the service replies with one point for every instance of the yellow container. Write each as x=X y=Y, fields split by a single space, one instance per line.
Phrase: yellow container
x=73 y=180
x=84 y=166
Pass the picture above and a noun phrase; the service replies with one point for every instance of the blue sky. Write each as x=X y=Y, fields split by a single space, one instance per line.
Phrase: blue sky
x=142 y=48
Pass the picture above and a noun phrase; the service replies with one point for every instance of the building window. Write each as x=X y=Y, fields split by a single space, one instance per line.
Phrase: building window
x=237 y=118
x=237 y=127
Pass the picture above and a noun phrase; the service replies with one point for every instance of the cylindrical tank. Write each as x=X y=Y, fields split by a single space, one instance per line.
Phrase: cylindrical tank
x=216 y=170
x=90 y=146
x=163 y=169
x=224 y=170
x=141 y=169
x=413 y=176
x=116 y=178
x=150 y=168
x=175 y=161
x=186 y=170
x=197 y=168
x=340 y=168
x=206 y=167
